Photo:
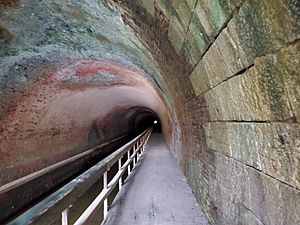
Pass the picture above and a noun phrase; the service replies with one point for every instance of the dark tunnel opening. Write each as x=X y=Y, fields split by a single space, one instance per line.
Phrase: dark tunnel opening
x=142 y=119
x=149 y=121
x=157 y=127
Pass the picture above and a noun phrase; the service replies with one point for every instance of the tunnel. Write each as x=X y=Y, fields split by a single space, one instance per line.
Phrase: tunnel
x=219 y=80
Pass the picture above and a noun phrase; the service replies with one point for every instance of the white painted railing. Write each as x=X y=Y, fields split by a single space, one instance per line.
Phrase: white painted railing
x=61 y=200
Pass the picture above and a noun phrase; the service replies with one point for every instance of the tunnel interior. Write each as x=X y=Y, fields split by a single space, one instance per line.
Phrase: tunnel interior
x=221 y=78
x=143 y=119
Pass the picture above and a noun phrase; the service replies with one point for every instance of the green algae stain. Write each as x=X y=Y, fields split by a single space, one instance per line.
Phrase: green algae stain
x=275 y=91
x=294 y=8
x=219 y=15
x=165 y=6
x=271 y=85
x=280 y=80
x=265 y=26
x=196 y=41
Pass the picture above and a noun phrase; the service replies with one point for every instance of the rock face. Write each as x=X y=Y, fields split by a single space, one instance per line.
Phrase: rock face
x=222 y=76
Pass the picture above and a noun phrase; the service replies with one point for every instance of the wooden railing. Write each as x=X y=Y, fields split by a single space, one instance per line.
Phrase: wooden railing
x=60 y=201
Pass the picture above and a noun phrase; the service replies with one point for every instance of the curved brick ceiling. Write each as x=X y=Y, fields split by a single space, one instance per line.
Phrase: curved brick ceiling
x=72 y=76
x=222 y=77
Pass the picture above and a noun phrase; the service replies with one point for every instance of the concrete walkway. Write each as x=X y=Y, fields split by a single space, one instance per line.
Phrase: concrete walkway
x=156 y=192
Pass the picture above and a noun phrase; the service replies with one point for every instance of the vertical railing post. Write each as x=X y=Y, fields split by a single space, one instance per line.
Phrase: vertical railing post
x=144 y=143
x=120 y=167
x=138 y=153
x=105 y=208
x=134 y=151
x=64 y=217
x=141 y=148
x=128 y=154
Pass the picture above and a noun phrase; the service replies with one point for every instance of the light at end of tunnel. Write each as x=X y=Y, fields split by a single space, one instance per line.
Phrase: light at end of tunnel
x=155 y=122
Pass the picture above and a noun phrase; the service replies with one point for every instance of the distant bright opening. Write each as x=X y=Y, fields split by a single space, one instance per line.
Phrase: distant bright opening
x=155 y=122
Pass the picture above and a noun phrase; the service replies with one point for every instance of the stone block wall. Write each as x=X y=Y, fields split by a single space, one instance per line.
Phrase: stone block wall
x=234 y=81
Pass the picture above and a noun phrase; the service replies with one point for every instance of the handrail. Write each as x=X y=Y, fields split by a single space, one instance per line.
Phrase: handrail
x=60 y=201
x=14 y=184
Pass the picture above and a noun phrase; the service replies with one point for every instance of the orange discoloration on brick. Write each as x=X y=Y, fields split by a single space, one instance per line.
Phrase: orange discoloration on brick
x=10 y=3
x=5 y=35
x=54 y=118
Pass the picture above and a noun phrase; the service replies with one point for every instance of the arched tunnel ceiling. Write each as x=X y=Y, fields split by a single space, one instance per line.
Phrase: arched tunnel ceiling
x=221 y=76
x=70 y=73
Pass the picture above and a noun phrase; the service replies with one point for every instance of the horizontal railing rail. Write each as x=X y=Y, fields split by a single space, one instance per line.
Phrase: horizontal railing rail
x=18 y=194
x=14 y=184
x=60 y=201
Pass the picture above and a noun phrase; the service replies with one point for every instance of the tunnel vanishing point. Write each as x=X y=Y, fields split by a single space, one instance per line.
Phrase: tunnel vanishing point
x=222 y=77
